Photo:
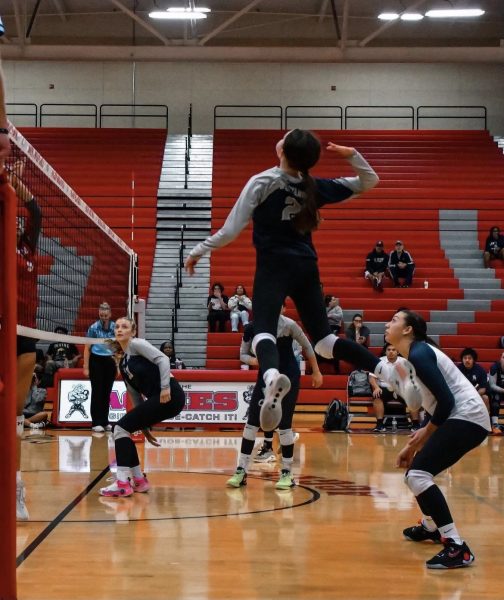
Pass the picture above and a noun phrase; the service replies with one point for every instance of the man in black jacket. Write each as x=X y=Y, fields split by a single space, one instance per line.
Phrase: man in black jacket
x=401 y=265
x=376 y=265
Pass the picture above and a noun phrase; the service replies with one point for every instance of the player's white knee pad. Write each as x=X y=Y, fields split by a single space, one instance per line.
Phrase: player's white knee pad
x=119 y=433
x=418 y=481
x=250 y=432
x=324 y=347
x=19 y=425
x=259 y=337
x=286 y=437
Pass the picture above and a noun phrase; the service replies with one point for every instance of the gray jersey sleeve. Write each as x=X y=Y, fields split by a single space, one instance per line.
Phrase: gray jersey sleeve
x=492 y=380
x=296 y=333
x=143 y=348
x=238 y=218
x=366 y=178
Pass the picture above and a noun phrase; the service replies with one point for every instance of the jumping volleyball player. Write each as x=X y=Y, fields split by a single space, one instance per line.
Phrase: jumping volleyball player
x=284 y=204
x=28 y=232
x=146 y=372
x=459 y=423
x=286 y=332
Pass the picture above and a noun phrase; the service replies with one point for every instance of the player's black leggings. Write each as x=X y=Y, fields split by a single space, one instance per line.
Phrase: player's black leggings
x=148 y=413
x=277 y=277
x=446 y=446
x=495 y=402
x=102 y=372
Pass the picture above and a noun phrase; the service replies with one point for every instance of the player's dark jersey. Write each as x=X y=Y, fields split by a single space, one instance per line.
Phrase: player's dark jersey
x=145 y=368
x=273 y=198
x=476 y=375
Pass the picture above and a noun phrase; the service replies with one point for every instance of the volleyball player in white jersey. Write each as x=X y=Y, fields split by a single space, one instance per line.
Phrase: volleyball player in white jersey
x=283 y=203
x=459 y=422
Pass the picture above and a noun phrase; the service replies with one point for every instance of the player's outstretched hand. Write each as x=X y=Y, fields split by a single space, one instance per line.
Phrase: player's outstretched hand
x=190 y=263
x=341 y=151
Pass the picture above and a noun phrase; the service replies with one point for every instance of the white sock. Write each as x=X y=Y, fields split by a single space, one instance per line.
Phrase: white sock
x=287 y=463
x=270 y=374
x=137 y=472
x=244 y=461
x=450 y=531
x=19 y=425
x=123 y=474
x=495 y=420
x=428 y=523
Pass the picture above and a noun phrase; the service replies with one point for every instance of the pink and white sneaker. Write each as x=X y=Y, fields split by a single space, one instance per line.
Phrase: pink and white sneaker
x=140 y=484
x=118 y=489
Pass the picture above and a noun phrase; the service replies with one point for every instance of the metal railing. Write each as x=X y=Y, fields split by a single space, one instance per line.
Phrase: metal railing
x=410 y=116
x=133 y=112
x=178 y=284
x=482 y=116
x=228 y=113
x=337 y=109
x=13 y=106
x=92 y=113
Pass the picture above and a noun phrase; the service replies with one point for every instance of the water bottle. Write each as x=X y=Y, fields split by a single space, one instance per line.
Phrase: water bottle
x=394 y=424
x=426 y=284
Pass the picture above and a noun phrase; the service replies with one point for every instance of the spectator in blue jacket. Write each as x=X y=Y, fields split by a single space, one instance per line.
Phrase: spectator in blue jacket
x=401 y=266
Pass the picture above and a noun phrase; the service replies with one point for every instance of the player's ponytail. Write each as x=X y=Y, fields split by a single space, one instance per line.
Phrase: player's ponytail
x=418 y=325
x=302 y=151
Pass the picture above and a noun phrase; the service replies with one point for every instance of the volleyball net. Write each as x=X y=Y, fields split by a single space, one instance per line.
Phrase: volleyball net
x=68 y=260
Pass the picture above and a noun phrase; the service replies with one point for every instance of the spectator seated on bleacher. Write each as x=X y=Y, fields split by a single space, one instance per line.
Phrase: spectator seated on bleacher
x=357 y=331
x=401 y=266
x=494 y=246
x=334 y=314
x=60 y=355
x=385 y=401
x=217 y=305
x=34 y=415
x=475 y=373
x=376 y=266
x=168 y=349
x=240 y=306
x=496 y=384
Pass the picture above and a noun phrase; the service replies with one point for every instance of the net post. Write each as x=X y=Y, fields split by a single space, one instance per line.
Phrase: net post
x=8 y=320
x=139 y=317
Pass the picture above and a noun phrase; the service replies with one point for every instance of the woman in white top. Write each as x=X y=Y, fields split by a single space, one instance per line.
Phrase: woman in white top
x=458 y=423
x=240 y=306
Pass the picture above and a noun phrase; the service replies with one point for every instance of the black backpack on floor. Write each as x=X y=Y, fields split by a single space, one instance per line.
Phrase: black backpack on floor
x=336 y=416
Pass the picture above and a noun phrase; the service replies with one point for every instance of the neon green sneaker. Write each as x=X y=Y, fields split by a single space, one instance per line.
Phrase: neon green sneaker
x=238 y=479
x=286 y=481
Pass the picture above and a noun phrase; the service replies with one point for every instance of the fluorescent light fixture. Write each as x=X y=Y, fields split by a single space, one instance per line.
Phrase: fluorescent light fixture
x=455 y=13
x=411 y=17
x=180 y=13
x=388 y=16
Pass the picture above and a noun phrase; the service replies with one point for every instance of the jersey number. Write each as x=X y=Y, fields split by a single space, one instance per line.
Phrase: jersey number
x=292 y=207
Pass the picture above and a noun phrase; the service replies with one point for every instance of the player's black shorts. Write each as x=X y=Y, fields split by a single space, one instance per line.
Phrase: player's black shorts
x=25 y=345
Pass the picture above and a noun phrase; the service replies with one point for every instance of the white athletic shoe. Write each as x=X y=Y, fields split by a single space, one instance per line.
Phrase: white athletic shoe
x=21 y=510
x=98 y=429
x=271 y=407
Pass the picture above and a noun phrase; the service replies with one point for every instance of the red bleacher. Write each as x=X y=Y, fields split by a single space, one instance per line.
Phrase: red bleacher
x=99 y=164
x=420 y=173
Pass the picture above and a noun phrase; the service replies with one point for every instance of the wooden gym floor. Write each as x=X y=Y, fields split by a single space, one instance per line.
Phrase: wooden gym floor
x=336 y=535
